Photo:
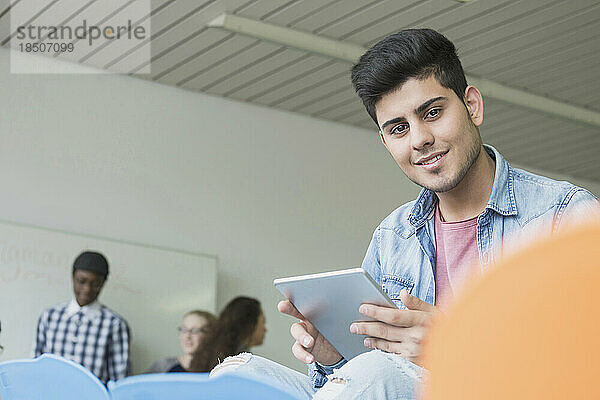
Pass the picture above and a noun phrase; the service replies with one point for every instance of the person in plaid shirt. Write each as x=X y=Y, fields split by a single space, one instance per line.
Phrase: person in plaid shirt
x=83 y=330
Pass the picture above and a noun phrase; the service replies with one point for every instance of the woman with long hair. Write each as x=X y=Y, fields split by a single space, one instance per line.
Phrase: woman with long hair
x=240 y=326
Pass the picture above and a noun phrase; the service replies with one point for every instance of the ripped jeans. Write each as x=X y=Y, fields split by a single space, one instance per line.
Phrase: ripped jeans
x=371 y=375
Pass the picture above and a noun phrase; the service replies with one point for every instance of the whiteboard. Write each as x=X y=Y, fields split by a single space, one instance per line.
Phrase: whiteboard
x=150 y=287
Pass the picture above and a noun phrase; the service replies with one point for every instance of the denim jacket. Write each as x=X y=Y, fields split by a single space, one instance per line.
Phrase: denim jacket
x=401 y=254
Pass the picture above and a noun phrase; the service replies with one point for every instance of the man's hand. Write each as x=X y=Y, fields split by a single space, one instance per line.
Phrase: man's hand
x=310 y=345
x=397 y=331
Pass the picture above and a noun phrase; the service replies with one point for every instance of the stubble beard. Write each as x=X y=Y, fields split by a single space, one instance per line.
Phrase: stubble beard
x=449 y=183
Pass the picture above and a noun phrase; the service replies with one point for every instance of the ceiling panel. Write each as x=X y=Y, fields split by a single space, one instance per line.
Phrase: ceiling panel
x=547 y=47
x=214 y=55
x=343 y=112
x=4 y=19
x=466 y=13
x=331 y=100
x=234 y=75
x=328 y=15
x=530 y=60
x=360 y=118
x=591 y=100
x=298 y=10
x=96 y=14
x=318 y=91
x=505 y=40
x=302 y=84
x=563 y=80
x=401 y=17
x=21 y=13
x=280 y=76
x=168 y=59
x=262 y=9
x=379 y=11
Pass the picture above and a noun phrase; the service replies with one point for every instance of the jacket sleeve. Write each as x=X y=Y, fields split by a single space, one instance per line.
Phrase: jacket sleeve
x=576 y=207
x=39 y=342
x=318 y=373
x=372 y=263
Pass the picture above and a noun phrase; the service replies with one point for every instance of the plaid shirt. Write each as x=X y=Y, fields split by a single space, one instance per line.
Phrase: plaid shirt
x=93 y=336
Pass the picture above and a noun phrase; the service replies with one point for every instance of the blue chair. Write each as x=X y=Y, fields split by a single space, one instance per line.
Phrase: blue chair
x=49 y=377
x=189 y=386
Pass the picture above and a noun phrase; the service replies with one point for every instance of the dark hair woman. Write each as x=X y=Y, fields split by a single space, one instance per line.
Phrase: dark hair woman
x=240 y=326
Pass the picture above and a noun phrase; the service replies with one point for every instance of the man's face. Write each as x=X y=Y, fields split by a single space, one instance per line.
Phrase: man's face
x=86 y=286
x=429 y=132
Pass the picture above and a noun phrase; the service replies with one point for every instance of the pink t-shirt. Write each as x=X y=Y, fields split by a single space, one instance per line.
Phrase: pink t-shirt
x=456 y=257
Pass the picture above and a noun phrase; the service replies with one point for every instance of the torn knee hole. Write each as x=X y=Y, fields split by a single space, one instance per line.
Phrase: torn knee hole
x=230 y=363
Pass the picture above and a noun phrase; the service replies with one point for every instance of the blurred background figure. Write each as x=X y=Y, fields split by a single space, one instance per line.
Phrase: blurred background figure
x=241 y=326
x=192 y=333
x=83 y=330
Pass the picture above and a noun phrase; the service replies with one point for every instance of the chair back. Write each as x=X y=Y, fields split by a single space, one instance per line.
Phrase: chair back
x=49 y=377
x=191 y=386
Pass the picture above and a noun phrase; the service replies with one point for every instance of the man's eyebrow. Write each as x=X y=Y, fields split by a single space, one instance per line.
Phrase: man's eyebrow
x=392 y=121
x=429 y=102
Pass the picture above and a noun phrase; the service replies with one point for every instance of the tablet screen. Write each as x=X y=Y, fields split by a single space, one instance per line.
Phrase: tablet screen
x=330 y=301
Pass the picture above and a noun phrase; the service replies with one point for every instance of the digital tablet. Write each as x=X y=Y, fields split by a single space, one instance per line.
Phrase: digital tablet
x=330 y=301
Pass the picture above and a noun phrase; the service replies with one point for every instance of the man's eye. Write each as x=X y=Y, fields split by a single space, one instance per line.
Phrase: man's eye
x=434 y=112
x=398 y=129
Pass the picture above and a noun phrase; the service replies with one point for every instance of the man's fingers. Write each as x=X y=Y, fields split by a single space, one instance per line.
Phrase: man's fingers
x=390 y=347
x=288 y=308
x=414 y=303
x=301 y=354
x=383 y=331
x=299 y=332
x=393 y=316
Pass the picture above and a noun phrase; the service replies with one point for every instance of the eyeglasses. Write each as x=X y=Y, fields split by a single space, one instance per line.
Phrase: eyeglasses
x=194 y=331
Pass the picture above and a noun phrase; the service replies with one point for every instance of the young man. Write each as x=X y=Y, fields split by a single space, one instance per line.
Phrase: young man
x=83 y=330
x=413 y=86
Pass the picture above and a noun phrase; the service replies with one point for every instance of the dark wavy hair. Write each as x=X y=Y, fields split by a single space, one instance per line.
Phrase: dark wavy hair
x=228 y=335
x=411 y=53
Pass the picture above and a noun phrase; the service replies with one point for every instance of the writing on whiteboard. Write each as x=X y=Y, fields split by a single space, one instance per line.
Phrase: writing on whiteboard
x=31 y=263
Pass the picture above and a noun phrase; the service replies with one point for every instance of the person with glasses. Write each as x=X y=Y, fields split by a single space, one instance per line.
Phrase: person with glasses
x=192 y=332
x=241 y=326
x=83 y=330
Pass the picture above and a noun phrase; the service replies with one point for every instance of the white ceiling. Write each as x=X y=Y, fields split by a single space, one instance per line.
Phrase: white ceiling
x=546 y=47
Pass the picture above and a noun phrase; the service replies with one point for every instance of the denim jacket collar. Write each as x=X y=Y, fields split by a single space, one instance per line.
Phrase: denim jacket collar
x=502 y=198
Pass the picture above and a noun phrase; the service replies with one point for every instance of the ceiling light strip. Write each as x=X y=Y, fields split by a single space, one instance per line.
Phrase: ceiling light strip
x=350 y=53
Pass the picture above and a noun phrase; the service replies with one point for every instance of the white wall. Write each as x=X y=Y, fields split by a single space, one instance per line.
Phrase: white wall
x=270 y=193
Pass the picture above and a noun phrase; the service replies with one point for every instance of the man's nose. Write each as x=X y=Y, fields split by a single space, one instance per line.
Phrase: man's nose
x=420 y=136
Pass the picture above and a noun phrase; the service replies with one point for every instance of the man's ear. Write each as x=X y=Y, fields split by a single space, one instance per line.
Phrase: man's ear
x=474 y=102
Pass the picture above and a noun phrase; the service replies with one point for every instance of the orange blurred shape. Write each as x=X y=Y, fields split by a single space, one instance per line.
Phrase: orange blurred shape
x=529 y=329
